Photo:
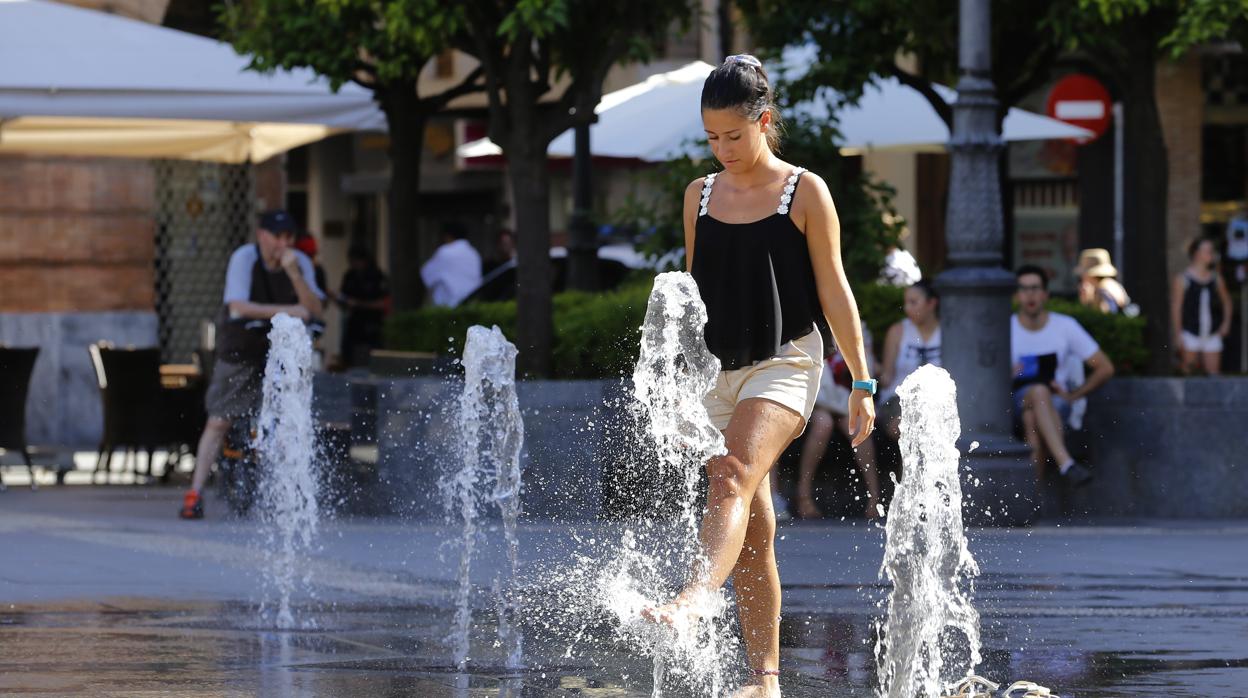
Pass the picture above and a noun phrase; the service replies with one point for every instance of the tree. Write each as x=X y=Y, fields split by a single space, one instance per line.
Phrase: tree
x=525 y=48
x=381 y=45
x=857 y=41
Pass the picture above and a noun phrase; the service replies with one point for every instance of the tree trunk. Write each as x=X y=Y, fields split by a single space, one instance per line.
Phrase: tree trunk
x=1145 y=184
x=406 y=121
x=530 y=185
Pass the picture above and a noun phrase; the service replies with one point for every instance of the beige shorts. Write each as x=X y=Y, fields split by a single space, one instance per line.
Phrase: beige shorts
x=790 y=378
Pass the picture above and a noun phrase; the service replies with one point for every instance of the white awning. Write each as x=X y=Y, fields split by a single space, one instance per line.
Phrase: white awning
x=81 y=82
x=890 y=116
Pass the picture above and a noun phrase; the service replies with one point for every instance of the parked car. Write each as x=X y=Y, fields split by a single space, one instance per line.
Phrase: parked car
x=614 y=264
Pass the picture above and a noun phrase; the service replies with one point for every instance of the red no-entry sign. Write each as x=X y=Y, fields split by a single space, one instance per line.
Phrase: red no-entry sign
x=1081 y=100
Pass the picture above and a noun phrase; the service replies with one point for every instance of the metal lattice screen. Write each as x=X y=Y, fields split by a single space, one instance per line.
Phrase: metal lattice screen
x=204 y=212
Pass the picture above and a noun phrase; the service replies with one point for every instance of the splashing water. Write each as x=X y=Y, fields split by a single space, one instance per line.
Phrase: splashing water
x=931 y=633
x=674 y=371
x=289 y=481
x=491 y=436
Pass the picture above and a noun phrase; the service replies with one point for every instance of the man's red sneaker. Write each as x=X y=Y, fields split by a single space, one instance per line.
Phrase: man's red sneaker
x=192 y=506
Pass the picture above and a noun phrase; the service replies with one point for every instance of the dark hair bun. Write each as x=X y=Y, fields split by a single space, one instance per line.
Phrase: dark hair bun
x=740 y=83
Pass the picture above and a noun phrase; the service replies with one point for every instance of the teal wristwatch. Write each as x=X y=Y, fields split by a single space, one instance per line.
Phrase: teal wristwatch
x=870 y=385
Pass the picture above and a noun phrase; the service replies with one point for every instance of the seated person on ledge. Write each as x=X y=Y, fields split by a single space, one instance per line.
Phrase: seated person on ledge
x=1049 y=351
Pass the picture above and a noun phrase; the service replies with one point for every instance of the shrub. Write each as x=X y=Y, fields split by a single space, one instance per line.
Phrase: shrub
x=1120 y=337
x=443 y=330
x=880 y=306
x=596 y=334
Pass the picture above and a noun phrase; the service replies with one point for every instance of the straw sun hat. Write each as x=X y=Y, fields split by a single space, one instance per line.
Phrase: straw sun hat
x=1095 y=262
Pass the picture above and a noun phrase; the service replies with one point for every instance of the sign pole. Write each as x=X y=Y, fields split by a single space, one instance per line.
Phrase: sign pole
x=1118 y=229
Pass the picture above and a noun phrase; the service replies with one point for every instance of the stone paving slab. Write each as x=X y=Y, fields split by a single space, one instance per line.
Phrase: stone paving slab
x=104 y=592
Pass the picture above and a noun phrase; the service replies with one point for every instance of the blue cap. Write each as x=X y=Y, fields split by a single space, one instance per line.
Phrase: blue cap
x=278 y=222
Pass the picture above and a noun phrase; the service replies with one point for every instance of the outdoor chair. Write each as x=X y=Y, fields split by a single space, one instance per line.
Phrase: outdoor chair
x=130 y=394
x=16 y=366
x=182 y=417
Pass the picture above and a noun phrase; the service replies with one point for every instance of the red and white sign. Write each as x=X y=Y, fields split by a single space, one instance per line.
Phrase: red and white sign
x=1081 y=100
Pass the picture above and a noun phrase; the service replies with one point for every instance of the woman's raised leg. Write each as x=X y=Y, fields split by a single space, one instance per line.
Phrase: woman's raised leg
x=758 y=433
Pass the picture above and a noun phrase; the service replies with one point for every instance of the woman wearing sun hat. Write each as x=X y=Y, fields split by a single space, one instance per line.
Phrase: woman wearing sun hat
x=1098 y=283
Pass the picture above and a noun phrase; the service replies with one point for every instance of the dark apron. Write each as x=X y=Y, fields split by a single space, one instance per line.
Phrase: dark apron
x=246 y=340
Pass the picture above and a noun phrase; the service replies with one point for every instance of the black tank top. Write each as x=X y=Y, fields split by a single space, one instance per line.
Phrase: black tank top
x=1193 y=291
x=757 y=282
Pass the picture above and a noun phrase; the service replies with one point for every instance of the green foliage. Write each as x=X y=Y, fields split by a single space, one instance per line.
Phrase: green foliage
x=658 y=215
x=378 y=41
x=1207 y=21
x=597 y=335
x=443 y=330
x=1120 y=337
x=857 y=41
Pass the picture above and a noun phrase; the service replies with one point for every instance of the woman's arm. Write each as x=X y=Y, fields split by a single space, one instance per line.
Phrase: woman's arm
x=892 y=344
x=1225 y=295
x=823 y=239
x=693 y=200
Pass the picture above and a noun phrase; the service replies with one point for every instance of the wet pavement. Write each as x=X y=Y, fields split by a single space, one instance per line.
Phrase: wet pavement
x=104 y=593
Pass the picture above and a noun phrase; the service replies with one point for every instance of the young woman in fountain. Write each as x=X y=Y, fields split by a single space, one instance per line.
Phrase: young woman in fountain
x=762 y=241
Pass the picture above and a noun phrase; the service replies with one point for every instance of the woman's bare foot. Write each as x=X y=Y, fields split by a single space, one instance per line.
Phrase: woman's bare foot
x=760 y=687
x=682 y=609
x=806 y=507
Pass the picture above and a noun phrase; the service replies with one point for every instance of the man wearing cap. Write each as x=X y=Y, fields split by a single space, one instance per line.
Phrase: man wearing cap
x=263 y=279
x=1098 y=285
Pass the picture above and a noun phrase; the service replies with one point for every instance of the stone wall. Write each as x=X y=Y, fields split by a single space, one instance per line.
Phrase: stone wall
x=1168 y=447
x=76 y=235
x=564 y=444
x=1160 y=448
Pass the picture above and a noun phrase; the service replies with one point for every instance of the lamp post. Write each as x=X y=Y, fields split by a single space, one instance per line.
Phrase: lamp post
x=582 y=237
x=976 y=289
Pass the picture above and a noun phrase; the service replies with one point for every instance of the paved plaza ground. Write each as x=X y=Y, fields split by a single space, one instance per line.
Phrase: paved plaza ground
x=103 y=592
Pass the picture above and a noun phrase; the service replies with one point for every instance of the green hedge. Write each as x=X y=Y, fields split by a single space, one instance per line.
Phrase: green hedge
x=597 y=334
x=1120 y=337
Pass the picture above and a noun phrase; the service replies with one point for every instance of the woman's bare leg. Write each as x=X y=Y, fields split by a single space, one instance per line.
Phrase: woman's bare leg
x=757 y=583
x=1211 y=361
x=1188 y=361
x=818 y=432
x=759 y=432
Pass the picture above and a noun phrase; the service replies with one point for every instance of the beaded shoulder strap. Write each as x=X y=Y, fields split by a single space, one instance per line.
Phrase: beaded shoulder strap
x=707 y=183
x=789 y=187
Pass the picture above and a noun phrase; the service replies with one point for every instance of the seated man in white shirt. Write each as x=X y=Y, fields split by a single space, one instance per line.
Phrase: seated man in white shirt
x=454 y=270
x=1049 y=351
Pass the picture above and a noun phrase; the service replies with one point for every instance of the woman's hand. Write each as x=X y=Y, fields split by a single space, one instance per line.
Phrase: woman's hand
x=861 y=416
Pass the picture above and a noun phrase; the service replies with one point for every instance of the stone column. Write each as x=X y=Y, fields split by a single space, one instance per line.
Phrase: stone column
x=976 y=290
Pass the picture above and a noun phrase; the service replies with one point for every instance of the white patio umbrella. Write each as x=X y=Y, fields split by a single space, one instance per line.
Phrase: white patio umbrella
x=82 y=82
x=890 y=116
